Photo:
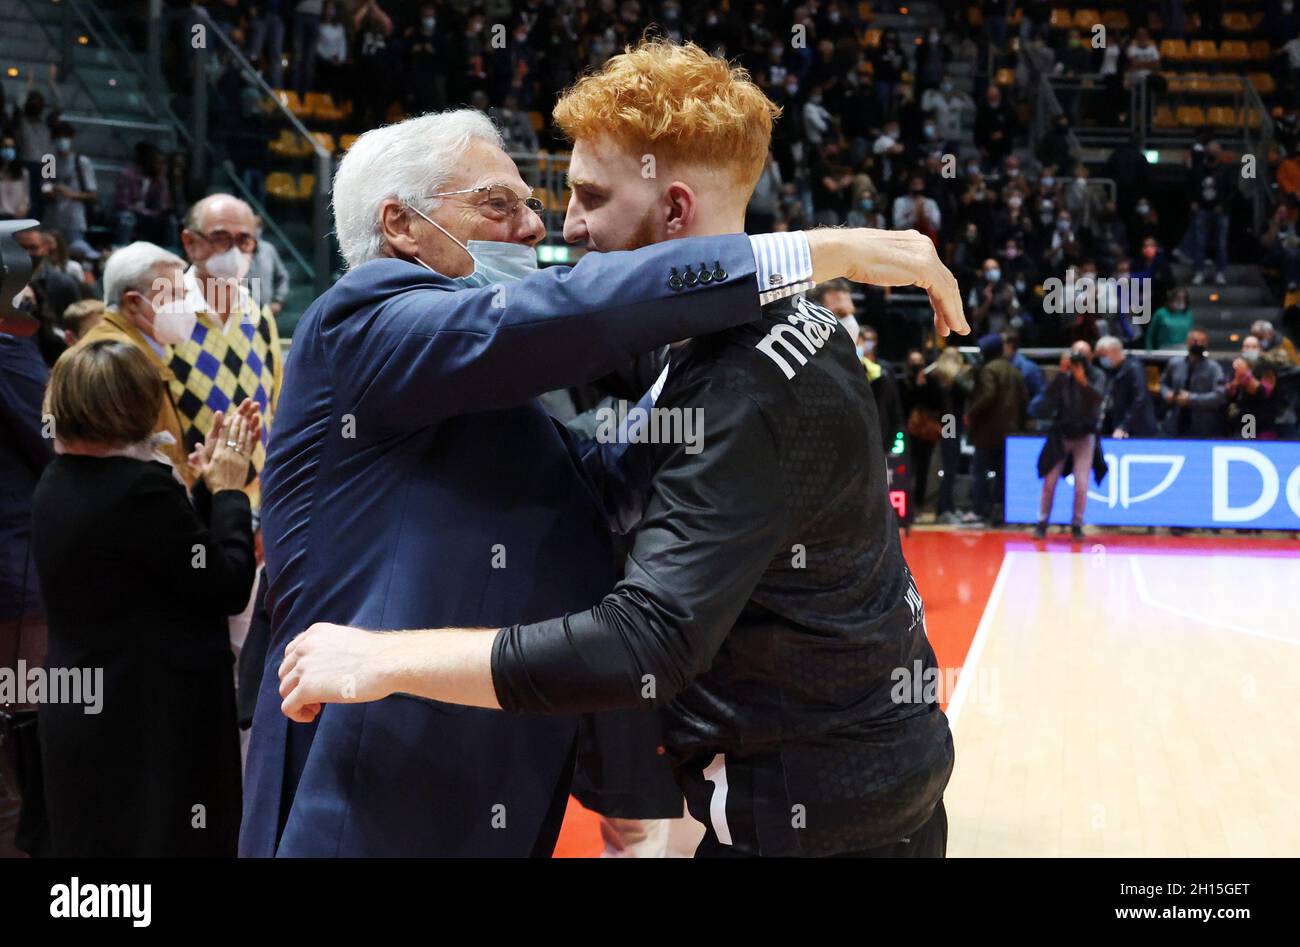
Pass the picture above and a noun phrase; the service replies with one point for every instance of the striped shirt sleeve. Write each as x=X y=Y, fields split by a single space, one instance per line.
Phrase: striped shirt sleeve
x=783 y=264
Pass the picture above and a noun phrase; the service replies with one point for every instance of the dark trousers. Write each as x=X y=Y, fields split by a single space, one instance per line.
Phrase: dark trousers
x=987 y=474
x=929 y=841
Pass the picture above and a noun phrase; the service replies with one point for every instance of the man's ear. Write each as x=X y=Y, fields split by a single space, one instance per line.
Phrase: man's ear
x=395 y=224
x=681 y=209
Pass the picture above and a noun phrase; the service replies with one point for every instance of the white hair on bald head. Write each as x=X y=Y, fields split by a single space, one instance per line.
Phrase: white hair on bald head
x=407 y=161
x=1108 y=342
x=134 y=267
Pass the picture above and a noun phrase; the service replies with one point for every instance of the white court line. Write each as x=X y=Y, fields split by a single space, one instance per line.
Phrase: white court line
x=1145 y=597
x=973 y=653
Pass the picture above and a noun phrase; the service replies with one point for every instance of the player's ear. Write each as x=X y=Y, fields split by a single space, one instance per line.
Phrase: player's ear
x=680 y=209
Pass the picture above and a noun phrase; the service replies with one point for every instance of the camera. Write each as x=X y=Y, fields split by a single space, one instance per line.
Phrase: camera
x=15 y=266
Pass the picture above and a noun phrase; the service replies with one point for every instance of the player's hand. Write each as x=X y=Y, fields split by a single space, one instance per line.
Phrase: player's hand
x=333 y=664
x=890 y=258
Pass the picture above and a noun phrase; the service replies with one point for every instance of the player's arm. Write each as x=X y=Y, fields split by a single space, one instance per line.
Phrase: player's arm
x=713 y=524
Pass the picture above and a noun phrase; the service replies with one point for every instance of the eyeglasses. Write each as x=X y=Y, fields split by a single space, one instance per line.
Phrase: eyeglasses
x=223 y=240
x=499 y=202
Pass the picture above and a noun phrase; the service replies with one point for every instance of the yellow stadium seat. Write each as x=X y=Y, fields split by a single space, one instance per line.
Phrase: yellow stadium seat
x=347 y=141
x=288 y=145
x=1262 y=82
x=1221 y=116
x=322 y=106
x=1173 y=50
x=1061 y=19
x=1204 y=50
x=1164 y=117
x=536 y=121
x=1233 y=50
x=289 y=99
x=1115 y=20
x=325 y=140
x=1235 y=22
x=306 y=184
x=871 y=39
x=281 y=186
x=1085 y=18
x=1260 y=51
x=1190 y=116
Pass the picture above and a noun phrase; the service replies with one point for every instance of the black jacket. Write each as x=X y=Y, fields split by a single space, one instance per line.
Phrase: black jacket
x=1128 y=404
x=139 y=583
x=1074 y=409
x=766 y=605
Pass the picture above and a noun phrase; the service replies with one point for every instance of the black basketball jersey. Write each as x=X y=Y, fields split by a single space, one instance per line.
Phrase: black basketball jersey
x=766 y=606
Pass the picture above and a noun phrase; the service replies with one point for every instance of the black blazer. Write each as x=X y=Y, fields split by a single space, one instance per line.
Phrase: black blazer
x=138 y=582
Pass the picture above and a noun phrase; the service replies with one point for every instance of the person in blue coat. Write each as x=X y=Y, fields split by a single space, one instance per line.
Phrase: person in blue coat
x=415 y=480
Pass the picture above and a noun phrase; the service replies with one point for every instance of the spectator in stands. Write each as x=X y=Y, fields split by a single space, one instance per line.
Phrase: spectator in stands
x=15 y=182
x=917 y=211
x=995 y=126
x=1275 y=348
x=33 y=136
x=1035 y=384
x=1056 y=149
x=234 y=351
x=73 y=190
x=515 y=126
x=145 y=306
x=996 y=409
x=425 y=47
x=1213 y=183
x=58 y=257
x=1152 y=264
x=79 y=318
x=832 y=184
x=1143 y=57
x=270 y=277
x=1281 y=243
x=1251 y=391
x=115 y=541
x=306 y=31
x=889 y=147
x=1073 y=404
x=926 y=403
x=1128 y=408
x=332 y=55
x=1193 y=389
x=373 y=62
x=948 y=104
x=764 y=204
x=142 y=200
x=266 y=23
x=52 y=292
x=992 y=304
x=1170 y=323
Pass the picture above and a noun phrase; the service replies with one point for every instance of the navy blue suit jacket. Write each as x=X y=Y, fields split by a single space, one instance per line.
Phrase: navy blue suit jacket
x=413 y=480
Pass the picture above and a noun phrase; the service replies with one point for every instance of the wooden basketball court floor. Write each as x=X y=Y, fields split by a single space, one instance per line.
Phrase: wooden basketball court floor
x=1127 y=696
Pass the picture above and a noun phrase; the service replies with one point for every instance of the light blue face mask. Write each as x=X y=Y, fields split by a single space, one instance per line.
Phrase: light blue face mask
x=494 y=261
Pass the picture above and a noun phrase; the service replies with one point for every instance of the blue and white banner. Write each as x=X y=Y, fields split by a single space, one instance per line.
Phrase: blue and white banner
x=1156 y=482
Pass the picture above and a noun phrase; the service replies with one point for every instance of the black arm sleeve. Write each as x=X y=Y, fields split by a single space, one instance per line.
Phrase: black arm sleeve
x=213 y=564
x=713 y=523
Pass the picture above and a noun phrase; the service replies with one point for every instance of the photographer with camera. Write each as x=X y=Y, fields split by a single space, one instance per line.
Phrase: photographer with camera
x=1074 y=404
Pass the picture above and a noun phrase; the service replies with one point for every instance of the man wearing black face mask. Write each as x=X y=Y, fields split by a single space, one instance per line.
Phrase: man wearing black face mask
x=1193 y=387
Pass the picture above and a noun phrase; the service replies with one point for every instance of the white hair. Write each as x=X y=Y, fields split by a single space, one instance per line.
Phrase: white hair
x=1109 y=341
x=407 y=161
x=133 y=268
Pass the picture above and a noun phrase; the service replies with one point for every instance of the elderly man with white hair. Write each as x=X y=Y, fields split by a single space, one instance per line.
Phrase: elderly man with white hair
x=1129 y=410
x=415 y=480
x=144 y=292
